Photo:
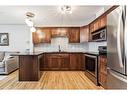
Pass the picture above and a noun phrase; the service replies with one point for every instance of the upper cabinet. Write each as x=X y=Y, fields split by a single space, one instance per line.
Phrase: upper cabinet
x=84 y=34
x=59 y=31
x=98 y=23
x=42 y=35
x=103 y=21
x=74 y=35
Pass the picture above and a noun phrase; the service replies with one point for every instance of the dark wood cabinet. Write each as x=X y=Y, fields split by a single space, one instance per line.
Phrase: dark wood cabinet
x=103 y=21
x=76 y=61
x=35 y=37
x=102 y=70
x=41 y=61
x=97 y=24
x=29 y=67
x=59 y=31
x=56 y=62
x=63 y=61
x=84 y=34
x=74 y=35
x=42 y=35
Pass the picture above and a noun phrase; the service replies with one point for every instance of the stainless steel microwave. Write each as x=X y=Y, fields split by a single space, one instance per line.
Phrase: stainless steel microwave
x=100 y=35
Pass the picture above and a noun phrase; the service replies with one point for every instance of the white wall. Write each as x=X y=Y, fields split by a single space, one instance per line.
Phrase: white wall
x=19 y=37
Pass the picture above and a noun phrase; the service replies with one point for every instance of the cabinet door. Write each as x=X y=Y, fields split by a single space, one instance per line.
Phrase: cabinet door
x=74 y=35
x=102 y=70
x=75 y=61
x=103 y=21
x=61 y=31
x=54 y=63
x=42 y=35
x=91 y=26
x=84 y=34
x=45 y=35
x=46 y=62
x=64 y=62
x=97 y=24
x=35 y=38
x=41 y=61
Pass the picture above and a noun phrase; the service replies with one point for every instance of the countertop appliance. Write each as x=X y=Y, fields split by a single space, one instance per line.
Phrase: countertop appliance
x=91 y=66
x=117 y=48
x=99 y=35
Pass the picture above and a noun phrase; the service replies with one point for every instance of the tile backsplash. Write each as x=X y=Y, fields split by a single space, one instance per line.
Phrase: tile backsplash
x=93 y=46
x=64 y=45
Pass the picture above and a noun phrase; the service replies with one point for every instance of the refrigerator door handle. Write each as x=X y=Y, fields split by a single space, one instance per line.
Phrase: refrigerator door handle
x=123 y=21
x=117 y=75
x=119 y=42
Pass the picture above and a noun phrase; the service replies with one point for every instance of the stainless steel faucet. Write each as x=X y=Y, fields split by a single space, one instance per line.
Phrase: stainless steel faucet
x=59 y=48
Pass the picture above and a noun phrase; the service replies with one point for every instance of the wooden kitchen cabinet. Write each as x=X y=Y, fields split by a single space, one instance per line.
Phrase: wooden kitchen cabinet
x=103 y=21
x=76 y=61
x=63 y=61
x=42 y=35
x=74 y=35
x=56 y=62
x=59 y=31
x=84 y=34
x=41 y=61
x=102 y=70
x=51 y=62
x=35 y=38
x=98 y=23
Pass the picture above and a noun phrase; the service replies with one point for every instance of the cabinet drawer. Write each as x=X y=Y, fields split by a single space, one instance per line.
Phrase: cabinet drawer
x=58 y=55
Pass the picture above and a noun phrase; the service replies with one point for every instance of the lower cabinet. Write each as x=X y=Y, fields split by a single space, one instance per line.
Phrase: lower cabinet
x=56 y=62
x=102 y=69
x=76 y=61
x=61 y=61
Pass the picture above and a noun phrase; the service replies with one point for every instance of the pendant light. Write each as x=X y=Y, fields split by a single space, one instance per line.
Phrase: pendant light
x=29 y=21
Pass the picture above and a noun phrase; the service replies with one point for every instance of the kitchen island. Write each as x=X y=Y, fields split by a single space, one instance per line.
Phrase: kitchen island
x=29 y=66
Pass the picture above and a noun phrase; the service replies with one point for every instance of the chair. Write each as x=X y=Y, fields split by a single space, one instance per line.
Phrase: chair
x=8 y=63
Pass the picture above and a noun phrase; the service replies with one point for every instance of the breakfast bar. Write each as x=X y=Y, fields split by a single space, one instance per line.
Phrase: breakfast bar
x=29 y=66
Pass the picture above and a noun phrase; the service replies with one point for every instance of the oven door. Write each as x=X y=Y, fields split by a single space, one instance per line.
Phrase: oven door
x=91 y=64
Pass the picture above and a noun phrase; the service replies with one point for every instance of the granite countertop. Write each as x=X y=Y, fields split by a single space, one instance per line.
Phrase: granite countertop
x=29 y=53
x=54 y=52
x=63 y=52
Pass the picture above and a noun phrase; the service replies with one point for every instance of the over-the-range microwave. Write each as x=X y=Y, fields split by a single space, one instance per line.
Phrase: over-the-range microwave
x=100 y=35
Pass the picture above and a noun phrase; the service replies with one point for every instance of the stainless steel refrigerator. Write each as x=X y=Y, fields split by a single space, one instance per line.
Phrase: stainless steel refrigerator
x=117 y=48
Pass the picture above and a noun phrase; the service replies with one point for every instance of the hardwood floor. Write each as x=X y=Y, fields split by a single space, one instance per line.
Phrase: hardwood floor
x=51 y=80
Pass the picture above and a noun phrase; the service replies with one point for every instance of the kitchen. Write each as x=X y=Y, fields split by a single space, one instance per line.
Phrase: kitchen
x=83 y=48
x=61 y=49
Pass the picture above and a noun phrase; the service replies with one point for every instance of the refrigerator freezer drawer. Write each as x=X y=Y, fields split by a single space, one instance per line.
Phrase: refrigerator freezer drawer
x=116 y=80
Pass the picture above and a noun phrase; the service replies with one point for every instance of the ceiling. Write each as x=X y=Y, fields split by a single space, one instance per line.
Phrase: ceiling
x=49 y=15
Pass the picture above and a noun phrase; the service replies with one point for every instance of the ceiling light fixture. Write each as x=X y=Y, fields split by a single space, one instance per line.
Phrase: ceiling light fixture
x=29 y=21
x=33 y=29
x=66 y=9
